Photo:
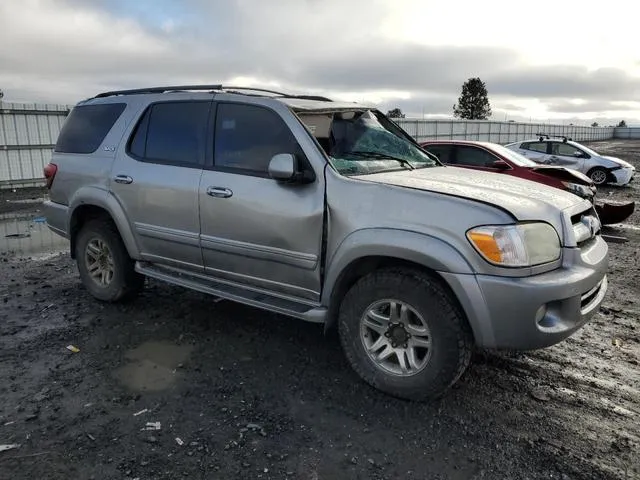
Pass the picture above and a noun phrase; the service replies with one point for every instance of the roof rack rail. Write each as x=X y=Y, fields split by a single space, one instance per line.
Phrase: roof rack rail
x=136 y=91
x=543 y=136
x=230 y=89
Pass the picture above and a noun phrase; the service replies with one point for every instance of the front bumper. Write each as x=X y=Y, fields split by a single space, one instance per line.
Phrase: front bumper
x=622 y=176
x=537 y=311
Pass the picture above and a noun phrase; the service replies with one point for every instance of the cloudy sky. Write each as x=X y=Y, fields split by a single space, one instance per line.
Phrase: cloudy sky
x=550 y=60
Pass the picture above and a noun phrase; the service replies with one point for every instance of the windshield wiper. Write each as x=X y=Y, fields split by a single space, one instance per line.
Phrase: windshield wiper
x=381 y=156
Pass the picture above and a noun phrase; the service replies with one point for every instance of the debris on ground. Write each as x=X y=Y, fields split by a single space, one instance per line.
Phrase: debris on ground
x=73 y=348
x=145 y=410
x=539 y=394
x=179 y=441
x=614 y=239
x=152 y=426
x=9 y=447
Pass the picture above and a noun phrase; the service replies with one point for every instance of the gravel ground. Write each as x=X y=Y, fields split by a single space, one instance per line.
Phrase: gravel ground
x=240 y=393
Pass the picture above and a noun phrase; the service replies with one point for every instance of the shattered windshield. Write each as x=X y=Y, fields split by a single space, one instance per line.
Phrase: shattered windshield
x=363 y=143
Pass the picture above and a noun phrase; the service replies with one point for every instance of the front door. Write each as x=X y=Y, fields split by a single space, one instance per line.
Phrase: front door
x=476 y=158
x=565 y=155
x=254 y=230
x=156 y=178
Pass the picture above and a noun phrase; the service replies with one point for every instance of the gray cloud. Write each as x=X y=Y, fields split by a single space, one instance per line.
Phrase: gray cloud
x=80 y=47
x=594 y=106
x=420 y=105
x=565 y=82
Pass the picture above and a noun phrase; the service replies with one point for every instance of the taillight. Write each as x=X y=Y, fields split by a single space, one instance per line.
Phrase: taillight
x=49 y=173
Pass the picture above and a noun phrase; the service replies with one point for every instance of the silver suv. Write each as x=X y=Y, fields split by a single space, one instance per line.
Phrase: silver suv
x=327 y=212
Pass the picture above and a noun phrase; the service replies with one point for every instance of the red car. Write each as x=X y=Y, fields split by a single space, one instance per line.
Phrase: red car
x=492 y=157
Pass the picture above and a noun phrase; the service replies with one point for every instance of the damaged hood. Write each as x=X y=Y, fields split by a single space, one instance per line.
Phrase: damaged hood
x=524 y=199
x=618 y=161
x=562 y=173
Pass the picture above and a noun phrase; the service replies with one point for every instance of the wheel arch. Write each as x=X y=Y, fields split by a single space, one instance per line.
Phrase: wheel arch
x=100 y=205
x=363 y=253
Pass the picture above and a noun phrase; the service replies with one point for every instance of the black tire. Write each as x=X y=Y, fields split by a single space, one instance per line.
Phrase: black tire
x=451 y=338
x=599 y=174
x=126 y=283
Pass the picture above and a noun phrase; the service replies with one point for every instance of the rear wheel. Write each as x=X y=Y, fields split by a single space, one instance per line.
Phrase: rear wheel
x=105 y=267
x=404 y=334
x=598 y=175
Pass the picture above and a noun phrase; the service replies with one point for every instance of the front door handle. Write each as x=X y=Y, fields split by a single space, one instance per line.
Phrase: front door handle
x=126 y=179
x=219 y=192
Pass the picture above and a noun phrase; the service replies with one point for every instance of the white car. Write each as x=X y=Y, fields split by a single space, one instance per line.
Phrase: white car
x=562 y=152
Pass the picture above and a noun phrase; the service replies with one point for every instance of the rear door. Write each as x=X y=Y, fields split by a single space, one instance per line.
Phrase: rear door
x=256 y=231
x=156 y=177
x=535 y=151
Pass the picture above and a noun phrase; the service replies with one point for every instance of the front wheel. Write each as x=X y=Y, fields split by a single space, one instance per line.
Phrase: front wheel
x=403 y=334
x=105 y=267
x=598 y=175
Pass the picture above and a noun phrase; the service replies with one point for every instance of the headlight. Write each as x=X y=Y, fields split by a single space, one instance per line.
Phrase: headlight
x=581 y=190
x=522 y=245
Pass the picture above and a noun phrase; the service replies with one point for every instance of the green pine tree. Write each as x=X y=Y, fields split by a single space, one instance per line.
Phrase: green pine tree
x=473 y=103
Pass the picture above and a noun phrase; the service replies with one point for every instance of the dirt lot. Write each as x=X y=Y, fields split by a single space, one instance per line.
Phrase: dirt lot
x=239 y=393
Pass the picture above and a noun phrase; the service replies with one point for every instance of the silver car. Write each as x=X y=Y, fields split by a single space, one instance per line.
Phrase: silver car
x=327 y=212
x=563 y=152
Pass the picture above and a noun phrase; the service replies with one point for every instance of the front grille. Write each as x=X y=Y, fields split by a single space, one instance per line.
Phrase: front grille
x=586 y=226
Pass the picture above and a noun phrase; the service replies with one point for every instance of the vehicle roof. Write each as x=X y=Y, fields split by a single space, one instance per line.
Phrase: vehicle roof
x=315 y=103
x=461 y=142
x=550 y=139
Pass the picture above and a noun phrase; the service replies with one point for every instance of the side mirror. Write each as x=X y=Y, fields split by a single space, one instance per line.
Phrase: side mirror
x=578 y=154
x=500 y=165
x=283 y=167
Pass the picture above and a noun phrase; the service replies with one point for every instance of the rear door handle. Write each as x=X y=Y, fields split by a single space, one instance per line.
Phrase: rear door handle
x=126 y=179
x=219 y=192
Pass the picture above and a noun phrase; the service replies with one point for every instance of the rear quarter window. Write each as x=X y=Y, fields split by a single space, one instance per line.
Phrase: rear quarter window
x=87 y=125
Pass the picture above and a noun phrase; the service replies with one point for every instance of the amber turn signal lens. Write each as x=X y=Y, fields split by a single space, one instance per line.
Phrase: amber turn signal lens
x=487 y=245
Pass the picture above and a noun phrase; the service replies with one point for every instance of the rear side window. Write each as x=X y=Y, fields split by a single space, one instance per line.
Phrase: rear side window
x=443 y=152
x=247 y=137
x=535 y=146
x=87 y=125
x=172 y=133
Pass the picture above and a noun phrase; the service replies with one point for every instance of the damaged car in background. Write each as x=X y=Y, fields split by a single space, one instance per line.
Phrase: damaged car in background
x=492 y=157
x=563 y=152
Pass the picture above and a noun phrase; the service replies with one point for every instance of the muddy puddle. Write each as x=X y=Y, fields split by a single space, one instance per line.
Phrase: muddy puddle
x=29 y=236
x=153 y=366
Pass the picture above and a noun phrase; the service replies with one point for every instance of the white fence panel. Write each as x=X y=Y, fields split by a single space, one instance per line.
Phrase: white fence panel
x=28 y=133
x=497 y=132
x=627 y=132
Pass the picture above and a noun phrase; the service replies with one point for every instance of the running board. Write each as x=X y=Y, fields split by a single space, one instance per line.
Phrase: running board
x=234 y=292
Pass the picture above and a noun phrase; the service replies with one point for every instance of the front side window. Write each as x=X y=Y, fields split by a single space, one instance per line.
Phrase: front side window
x=474 y=157
x=247 y=138
x=172 y=133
